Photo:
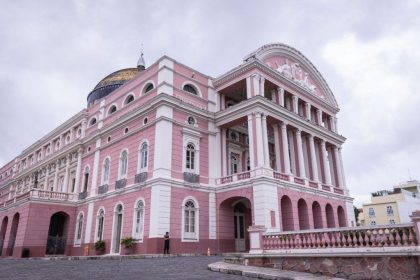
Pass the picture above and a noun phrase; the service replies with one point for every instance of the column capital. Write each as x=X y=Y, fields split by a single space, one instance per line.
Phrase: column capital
x=295 y=98
x=298 y=131
x=283 y=125
x=280 y=90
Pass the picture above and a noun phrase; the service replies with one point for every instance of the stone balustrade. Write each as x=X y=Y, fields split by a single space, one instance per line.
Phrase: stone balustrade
x=372 y=236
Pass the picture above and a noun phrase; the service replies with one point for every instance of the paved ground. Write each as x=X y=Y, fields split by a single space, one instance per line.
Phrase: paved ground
x=157 y=268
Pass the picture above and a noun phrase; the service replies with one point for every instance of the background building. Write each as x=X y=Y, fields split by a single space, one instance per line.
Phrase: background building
x=392 y=207
x=167 y=148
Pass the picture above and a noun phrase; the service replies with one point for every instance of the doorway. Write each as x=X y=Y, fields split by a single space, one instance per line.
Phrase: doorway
x=117 y=229
x=239 y=226
x=56 y=240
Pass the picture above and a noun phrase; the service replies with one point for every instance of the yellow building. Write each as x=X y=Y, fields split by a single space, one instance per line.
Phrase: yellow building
x=392 y=207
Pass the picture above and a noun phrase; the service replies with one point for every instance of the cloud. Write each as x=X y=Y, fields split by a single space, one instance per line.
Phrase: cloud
x=380 y=107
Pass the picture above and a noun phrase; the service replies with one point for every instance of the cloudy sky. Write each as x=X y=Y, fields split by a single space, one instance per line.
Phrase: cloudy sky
x=52 y=53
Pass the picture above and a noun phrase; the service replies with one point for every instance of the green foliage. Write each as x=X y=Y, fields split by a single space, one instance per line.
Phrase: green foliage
x=128 y=242
x=100 y=245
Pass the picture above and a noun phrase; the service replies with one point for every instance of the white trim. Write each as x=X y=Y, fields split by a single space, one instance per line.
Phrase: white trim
x=194 y=237
x=126 y=97
x=97 y=224
x=145 y=85
x=103 y=169
x=139 y=237
x=114 y=212
x=193 y=137
x=122 y=176
x=91 y=119
x=109 y=108
x=139 y=156
x=194 y=85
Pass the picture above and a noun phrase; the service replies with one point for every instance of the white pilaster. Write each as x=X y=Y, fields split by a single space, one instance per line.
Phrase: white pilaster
x=160 y=211
x=78 y=169
x=248 y=88
x=165 y=76
x=286 y=157
x=224 y=160
x=301 y=162
x=342 y=169
x=66 y=174
x=55 y=176
x=280 y=92
x=163 y=143
x=95 y=168
x=212 y=215
x=265 y=141
x=332 y=123
x=266 y=200
x=327 y=172
x=89 y=219
x=338 y=168
x=308 y=111
x=319 y=116
x=260 y=140
x=314 y=164
x=214 y=157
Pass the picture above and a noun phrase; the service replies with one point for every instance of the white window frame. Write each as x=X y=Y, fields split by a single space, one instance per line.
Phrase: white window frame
x=139 y=236
x=106 y=180
x=78 y=241
x=126 y=98
x=120 y=166
x=140 y=167
x=114 y=215
x=145 y=85
x=194 y=85
x=371 y=212
x=98 y=216
x=389 y=210
x=191 y=137
x=108 y=113
x=90 y=124
x=188 y=236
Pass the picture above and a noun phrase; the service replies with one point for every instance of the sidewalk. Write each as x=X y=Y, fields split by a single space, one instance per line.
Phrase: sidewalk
x=265 y=273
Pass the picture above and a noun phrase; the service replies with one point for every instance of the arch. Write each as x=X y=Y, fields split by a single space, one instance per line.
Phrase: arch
x=106 y=170
x=57 y=234
x=234 y=217
x=138 y=218
x=92 y=121
x=86 y=178
x=191 y=88
x=190 y=219
x=342 y=222
x=330 y=216
x=128 y=99
x=112 y=109
x=3 y=233
x=123 y=164
x=303 y=214
x=143 y=156
x=148 y=86
x=286 y=213
x=13 y=233
x=317 y=215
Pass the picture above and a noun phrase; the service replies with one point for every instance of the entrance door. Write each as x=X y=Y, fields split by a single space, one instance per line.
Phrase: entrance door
x=56 y=242
x=239 y=226
x=117 y=232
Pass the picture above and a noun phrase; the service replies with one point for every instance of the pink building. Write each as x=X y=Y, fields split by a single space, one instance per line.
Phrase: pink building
x=167 y=148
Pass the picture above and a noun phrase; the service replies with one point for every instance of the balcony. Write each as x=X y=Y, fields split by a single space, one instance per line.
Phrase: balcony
x=120 y=184
x=140 y=177
x=191 y=177
x=82 y=195
x=103 y=189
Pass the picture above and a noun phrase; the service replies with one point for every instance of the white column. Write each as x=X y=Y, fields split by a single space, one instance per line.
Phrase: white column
x=286 y=158
x=265 y=141
x=273 y=95
x=301 y=163
x=342 y=168
x=251 y=142
x=47 y=177
x=262 y=82
x=66 y=174
x=224 y=157
x=313 y=158
x=327 y=173
x=332 y=123
x=56 y=176
x=319 y=116
x=256 y=84
x=335 y=125
x=260 y=140
x=277 y=146
x=84 y=124
x=78 y=170
x=338 y=167
x=295 y=104
x=248 y=88
x=95 y=168
x=280 y=92
x=308 y=111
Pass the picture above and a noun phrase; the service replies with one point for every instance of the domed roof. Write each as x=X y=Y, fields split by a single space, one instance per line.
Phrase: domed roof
x=111 y=83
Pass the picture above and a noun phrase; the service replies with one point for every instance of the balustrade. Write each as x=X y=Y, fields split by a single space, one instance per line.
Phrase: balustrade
x=375 y=236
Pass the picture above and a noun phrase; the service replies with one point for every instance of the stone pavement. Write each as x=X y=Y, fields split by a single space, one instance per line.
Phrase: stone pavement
x=175 y=268
x=264 y=273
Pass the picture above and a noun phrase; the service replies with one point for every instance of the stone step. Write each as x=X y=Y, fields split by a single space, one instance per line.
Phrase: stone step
x=265 y=273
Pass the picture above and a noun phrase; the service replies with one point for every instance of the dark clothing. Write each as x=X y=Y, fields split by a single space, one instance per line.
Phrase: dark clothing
x=166 y=245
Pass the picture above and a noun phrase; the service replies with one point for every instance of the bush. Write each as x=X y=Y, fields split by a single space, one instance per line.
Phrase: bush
x=128 y=242
x=100 y=245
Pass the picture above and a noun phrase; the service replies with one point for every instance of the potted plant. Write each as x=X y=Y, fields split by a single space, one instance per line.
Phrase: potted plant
x=127 y=245
x=99 y=247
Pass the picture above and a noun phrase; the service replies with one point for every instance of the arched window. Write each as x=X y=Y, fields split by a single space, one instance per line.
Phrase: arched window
x=144 y=151
x=112 y=110
x=233 y=164
x=190 y=157
x=139 y=220
x=389 y=210
x=100 y=223
x=148 y=88
x=123 y=164
x=105 y=177
x=79 y=229
x=190 y=88
x=129 y=99
x=92 y=121
x=190 y=220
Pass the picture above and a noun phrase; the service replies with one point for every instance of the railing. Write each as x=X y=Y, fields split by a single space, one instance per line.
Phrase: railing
x=281 y=176
x=120 y=184
x=51 y=195
x=299 y=181
x=235 y=177
x=191 y=177
x=103 y=189
x=140 y=178
x=373 y=236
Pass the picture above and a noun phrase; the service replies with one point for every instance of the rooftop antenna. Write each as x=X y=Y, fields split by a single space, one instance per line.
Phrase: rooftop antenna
x=141 y=65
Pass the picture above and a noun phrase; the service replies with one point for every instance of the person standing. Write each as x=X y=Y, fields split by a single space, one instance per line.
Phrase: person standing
x=166 y=245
